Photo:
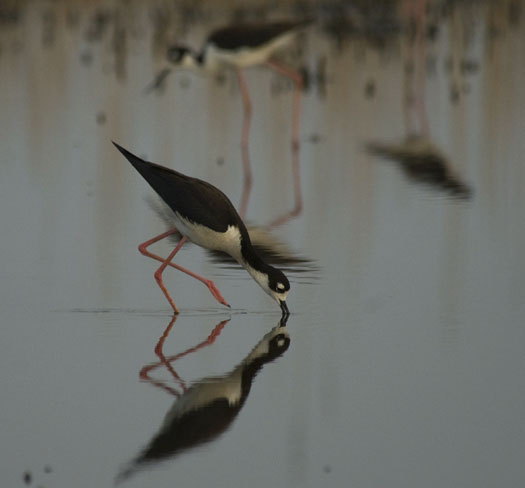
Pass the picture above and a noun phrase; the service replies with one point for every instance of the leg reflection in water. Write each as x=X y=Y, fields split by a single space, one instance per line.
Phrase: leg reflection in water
x=207 y=408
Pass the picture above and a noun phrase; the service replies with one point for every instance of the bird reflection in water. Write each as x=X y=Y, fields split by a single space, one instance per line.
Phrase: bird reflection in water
x=423 y=162
x=417 y=155
x=207 y=408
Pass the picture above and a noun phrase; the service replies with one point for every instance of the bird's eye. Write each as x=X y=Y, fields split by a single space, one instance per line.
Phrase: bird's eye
x=175 y=54
x=280 y=341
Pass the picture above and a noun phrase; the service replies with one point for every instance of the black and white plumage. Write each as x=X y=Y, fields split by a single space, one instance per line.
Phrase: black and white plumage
x=205 y=216
x=267 y=245
x=238 y=45
x=209 y=407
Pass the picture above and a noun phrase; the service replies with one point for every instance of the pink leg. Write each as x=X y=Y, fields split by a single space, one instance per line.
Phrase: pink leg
x=420 y=12
x=144 y=372
x=167 y=262
x=207 y=342
x=416 y=120
x=298 y=207
x=409 y=111
x=158 y=273
x=298 y=81
x=247 y=185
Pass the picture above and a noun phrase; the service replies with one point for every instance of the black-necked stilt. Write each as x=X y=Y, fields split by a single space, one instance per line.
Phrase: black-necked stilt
x=240 y=46
x=205 y=410
x=204 y=215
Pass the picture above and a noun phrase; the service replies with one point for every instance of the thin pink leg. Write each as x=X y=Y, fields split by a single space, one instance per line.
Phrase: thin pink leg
x=160 y=353
x=296 y=118
x=416 y=120
x=206 y=342
x=420 y=14
x=298 y=207
x=247 y=167
x=297 y=79
x=409 y=111
x=167 y=262
x=158 y=274
x=145 y=371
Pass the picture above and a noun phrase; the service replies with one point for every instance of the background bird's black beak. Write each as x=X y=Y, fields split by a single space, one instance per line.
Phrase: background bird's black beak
x=284 y=308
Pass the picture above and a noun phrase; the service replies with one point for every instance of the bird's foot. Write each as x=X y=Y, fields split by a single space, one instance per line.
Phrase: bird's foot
x=216 y=293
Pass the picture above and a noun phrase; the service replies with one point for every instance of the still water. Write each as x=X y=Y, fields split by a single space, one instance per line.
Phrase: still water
x=402 y=363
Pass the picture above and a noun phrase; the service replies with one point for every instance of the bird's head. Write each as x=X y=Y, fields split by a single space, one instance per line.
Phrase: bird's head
x=273 y=282
x=271 y=346
x=182 y=56
x=278 y=287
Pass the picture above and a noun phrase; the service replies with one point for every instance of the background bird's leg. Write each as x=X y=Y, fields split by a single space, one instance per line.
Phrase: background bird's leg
x=167 y=262
x=298 y=82
x=416 y=121
x=420 y=12
x=247 y=104
x=297 y=79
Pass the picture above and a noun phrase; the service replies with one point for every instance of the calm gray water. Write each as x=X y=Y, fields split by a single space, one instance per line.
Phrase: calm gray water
x=405 y=363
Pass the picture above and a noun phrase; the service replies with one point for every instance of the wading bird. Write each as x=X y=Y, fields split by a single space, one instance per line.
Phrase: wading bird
x=204 y=215
x=240 y=46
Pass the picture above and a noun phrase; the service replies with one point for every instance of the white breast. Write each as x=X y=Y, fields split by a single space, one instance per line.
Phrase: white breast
x=248 y=56
x=206 y=391
x=228 y=242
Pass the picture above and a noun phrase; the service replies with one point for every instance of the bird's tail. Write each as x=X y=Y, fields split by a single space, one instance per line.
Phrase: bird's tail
x=151 y=172
x=137 y=162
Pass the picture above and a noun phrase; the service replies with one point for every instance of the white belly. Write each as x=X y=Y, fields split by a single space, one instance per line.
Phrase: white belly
x=245 y=57
x=228 y=242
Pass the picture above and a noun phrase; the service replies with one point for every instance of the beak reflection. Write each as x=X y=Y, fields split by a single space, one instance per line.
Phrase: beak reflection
x=284 y=308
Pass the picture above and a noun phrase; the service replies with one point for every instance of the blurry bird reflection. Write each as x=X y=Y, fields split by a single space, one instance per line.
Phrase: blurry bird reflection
x=418 y=156
x=207 y=408
x=423 y=162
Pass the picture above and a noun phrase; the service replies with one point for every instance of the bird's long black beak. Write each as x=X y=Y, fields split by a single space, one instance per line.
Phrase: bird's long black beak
x=284 y=308
x=158 y=81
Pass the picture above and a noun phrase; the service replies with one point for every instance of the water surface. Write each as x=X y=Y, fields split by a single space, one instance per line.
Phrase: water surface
x=405 y=359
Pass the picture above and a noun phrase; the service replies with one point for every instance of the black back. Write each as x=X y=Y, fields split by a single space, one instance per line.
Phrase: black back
x=194 y=199
x=249 y=35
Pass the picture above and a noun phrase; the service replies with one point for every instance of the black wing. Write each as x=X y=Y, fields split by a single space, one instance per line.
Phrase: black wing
x=193 y=429
x=194 y=199
x=249 y=35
